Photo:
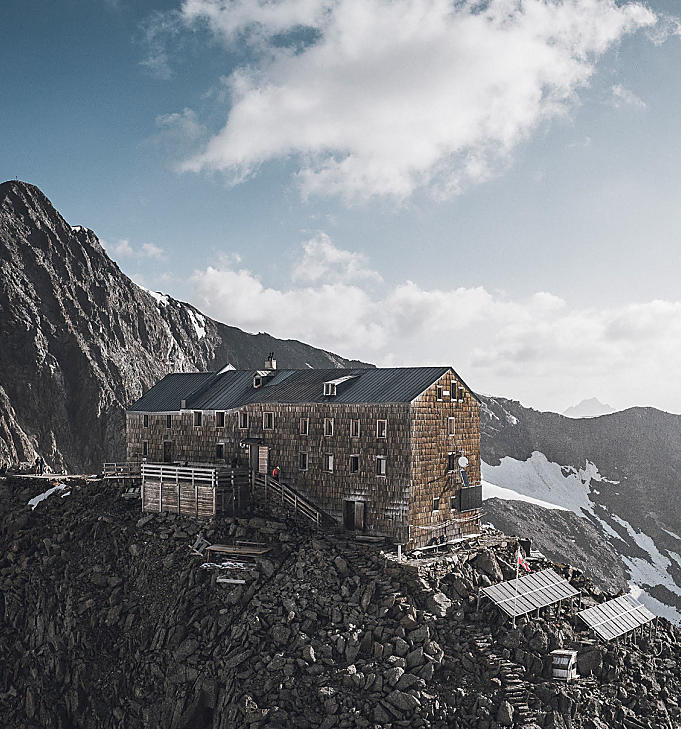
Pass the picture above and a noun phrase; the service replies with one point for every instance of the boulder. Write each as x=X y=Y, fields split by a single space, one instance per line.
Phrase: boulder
x=439 y=604
x=505 y=714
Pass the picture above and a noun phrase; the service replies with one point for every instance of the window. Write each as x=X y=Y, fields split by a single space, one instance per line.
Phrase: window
x=257 y=381
x=220 y=420
x=461 y=394
x=302 y=461
x=146 y=421
x=436 y=503
x=354 y=428
x=439 y=392
x=145 y=448
x=243 y=420
x=452 y=462
x=268 y=421
x=169 y=422
x=304 y=428
x=381 y=428
x=328 y=462
x=198 y=418
x=381 y=462
x=451 y=426
x=453 y=391
x=329 y=389
x=354 y=464
x=454 y=502
x=220 y=452
x=328 y=426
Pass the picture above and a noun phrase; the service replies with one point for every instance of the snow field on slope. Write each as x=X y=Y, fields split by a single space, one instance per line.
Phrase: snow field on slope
x=564 y=487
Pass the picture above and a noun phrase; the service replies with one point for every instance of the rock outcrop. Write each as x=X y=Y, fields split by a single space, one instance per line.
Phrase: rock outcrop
x=109 y=621
x=80 y=340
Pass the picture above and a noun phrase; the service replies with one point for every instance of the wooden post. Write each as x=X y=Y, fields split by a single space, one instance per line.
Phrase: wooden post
x=215 y=489
x=399 y=552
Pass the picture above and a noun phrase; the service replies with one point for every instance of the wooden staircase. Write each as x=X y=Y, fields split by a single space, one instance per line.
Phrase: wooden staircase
x=280 y=493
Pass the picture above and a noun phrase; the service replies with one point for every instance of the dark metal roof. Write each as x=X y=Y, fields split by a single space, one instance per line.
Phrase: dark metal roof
x=167 y=394
x=234 y=388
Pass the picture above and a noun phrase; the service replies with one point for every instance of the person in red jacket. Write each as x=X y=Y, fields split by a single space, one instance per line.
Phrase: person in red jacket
x=275 y=473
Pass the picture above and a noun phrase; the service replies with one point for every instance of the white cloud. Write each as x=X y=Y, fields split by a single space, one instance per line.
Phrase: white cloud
x=184 y=124
x=538 y=348
x=622 y=96
x=234 y=19
x=124 y=249
x=381 y=98
x=323 y=262
x=156 y=31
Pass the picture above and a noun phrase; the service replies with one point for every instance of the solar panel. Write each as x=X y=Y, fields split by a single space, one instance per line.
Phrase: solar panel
x=531 y=592
x=616 y=617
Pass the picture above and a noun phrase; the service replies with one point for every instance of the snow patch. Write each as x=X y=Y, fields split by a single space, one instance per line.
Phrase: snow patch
x=492 y=491
x=77 y=228
x=543 y=480
x=161 y=299
x=489 y=412
x=46 y=494
x=199 y=322
x=653 y=604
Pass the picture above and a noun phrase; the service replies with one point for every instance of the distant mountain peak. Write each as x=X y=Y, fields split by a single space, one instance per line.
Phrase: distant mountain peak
x=590 y=408
x=81 y=341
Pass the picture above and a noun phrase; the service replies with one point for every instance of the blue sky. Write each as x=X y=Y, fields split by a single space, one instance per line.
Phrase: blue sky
x=400 y=182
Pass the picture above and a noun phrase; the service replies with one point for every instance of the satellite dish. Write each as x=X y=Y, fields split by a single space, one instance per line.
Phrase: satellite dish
x=463 y=461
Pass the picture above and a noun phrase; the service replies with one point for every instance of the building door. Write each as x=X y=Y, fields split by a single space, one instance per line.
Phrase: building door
x=353 y=515
x=253 y=458
x=167 y=451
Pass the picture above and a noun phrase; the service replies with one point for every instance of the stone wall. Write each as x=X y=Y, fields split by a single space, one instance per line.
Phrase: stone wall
x=431 y=444
x=416 y=447
x=386 y=498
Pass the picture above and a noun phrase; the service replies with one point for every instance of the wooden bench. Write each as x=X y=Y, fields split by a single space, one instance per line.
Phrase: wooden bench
x=237 y=551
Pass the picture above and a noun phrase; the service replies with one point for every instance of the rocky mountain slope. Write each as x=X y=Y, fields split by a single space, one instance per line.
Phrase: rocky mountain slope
x=619 y=473
x=80 y=340
x=108 y=621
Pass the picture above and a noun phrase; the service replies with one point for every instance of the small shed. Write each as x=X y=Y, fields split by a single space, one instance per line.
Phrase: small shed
x=564 y=666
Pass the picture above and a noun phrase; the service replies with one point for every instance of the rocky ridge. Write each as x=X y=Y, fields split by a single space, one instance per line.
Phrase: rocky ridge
x=618 y=473
x=109 y=621
x=81 y=341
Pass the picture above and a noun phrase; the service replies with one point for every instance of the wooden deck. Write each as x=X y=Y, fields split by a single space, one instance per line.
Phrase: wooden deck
x=201 y=490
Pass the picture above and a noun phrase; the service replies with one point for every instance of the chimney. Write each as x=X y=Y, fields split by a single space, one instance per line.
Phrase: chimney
x=270 y=362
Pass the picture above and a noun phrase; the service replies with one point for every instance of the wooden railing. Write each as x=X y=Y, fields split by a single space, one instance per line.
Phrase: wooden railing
x=121 y=470
x=165 y=473
x=462 y=524
x=288 y=497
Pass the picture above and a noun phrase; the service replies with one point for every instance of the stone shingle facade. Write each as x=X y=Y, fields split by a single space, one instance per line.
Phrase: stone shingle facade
x=392 y=468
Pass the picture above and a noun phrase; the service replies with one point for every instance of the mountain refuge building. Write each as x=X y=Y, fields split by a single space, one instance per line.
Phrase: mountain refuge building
x=387 y=451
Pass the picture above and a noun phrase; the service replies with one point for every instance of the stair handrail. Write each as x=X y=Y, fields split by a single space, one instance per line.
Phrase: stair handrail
x=299 y=501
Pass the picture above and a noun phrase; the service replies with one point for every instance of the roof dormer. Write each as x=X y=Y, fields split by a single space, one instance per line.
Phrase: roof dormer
x=331 y=386
x=329 y=389
x=260 y=377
